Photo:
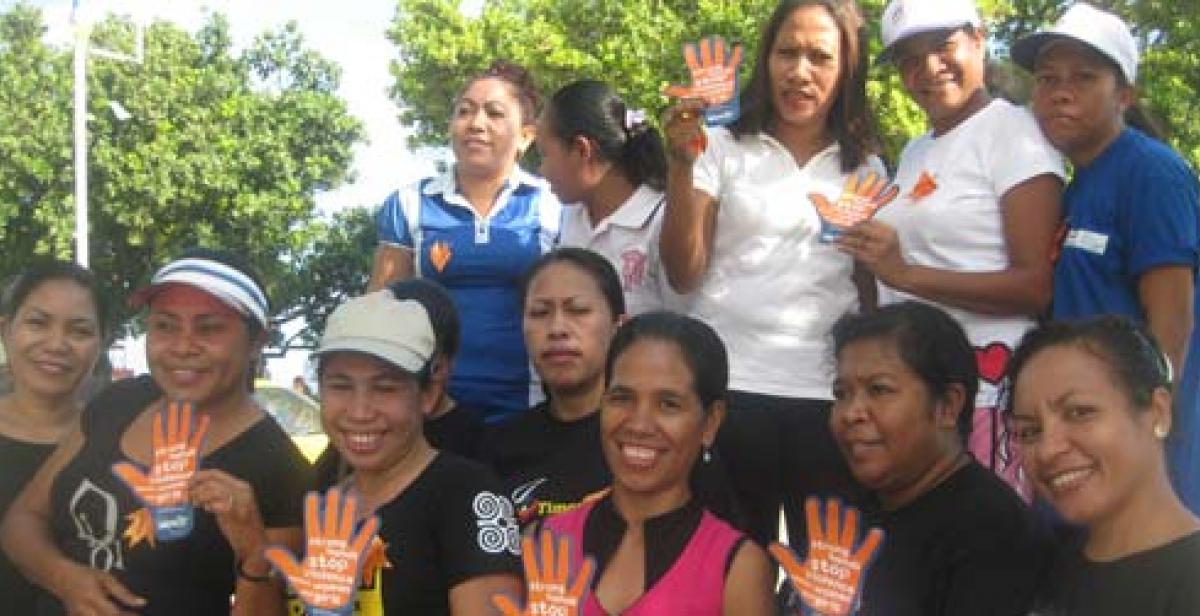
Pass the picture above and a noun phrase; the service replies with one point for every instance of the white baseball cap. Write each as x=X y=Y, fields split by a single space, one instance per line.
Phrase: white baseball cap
x=905 y=18
x=1098 y=29
x=396 y=331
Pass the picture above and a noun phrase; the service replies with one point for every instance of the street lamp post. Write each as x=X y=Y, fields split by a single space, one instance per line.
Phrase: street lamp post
x=83 y=34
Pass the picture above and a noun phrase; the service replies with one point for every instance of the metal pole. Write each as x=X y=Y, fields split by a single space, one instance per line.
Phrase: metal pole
x=81 y=178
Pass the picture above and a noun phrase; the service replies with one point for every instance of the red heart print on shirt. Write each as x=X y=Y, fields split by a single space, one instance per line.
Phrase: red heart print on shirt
x=992 y=361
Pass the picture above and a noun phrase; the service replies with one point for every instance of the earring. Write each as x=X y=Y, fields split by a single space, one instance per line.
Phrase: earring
x=707 y=455
x=1160 y=431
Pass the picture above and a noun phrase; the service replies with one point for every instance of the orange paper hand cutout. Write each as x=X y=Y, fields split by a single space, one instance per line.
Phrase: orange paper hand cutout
x=176 y=454
x=858 y=202
x=551 y=591
x=713 y=66
x=830 y=577
x=328 y=577
x=924 y=187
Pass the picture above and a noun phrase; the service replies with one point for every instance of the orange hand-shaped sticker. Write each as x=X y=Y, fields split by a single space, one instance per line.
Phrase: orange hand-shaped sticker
x=829 y=579
x=713 y=65
x=859 y=201
x=551 y=591
x=175 y=450
x=334 y=554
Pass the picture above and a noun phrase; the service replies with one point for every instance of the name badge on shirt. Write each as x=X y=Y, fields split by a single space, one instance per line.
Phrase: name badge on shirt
x=1089 y=241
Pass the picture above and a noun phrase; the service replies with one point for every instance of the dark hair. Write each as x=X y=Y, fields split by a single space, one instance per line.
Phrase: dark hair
x=524 y=86
x=701 y=347
x=591 y=109
x=42 y=271
x=1127 y=348
x=592 y=264
x=850 y=119
x=443 y=316
x=929 y=341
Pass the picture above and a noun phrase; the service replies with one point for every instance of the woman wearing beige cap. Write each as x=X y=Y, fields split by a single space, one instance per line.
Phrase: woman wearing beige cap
x=979 y=202
x=449 y=534
x=1131 y=244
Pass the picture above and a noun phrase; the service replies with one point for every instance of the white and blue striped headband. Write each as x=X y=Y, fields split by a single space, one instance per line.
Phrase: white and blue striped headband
x=228 y=284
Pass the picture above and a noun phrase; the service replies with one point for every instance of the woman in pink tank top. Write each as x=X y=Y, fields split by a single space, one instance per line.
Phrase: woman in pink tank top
x=657 y=550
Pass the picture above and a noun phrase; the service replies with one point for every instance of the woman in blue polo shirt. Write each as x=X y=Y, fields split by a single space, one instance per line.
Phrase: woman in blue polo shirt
x=475 y=230
x=1132 y=236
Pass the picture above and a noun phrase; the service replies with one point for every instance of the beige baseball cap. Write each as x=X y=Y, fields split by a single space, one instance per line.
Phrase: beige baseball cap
x=396 y=331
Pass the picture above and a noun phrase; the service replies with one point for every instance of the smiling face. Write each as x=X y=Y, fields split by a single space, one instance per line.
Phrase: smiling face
x=487 y=131
x=943 y=71
x=890 y=428
x=653 y=425
x=805 y=66
x=1087 y=448
x=198 y=348
x=53 y=339
x=568 y=325
x=372 y=412
x=1078 y=99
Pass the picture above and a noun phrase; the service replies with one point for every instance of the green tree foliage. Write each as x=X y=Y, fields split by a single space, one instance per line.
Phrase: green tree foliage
x=635 y=45
x=223 y=148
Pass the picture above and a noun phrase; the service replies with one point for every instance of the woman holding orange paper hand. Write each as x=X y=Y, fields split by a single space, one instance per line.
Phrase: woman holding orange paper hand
x=957 y=541
x=979 y=204
x=656 y=549
x=450 y=540
x=165 y=509
x=741 y=236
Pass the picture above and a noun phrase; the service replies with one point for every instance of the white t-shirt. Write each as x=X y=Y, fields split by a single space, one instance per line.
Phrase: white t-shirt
x=628 y=238
x=959 y=226
x=773 y=290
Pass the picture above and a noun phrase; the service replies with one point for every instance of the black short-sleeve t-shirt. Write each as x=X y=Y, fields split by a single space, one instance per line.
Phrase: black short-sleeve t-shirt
x=450 y=525
x=547 y=466
x=19 y=460
x=968 y=547
x=92 y=511
x=1164 y=581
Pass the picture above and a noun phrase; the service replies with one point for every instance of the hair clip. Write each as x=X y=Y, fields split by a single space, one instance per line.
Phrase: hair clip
x=634 y=118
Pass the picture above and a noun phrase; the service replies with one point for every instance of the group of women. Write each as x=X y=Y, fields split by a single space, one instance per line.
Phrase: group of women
x=659 y=366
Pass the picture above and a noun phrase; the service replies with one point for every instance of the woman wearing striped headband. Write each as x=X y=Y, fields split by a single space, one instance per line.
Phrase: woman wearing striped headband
x=82 y=531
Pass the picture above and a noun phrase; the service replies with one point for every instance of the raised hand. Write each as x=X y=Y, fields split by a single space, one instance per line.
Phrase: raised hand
x=713 y=65
x=328 y=578
x=164 y=490
x=831 y=575
x=859 y=201
x=551 y=592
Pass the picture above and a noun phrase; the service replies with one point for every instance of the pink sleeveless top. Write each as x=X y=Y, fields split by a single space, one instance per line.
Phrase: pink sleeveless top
x=694 y=585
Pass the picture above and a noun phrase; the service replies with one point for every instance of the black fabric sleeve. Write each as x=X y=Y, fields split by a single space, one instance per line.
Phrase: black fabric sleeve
x=478 y=530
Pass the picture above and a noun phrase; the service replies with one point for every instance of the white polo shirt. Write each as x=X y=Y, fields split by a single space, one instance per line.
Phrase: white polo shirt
x=628 y=238
x=960 y=226
x=773 y=290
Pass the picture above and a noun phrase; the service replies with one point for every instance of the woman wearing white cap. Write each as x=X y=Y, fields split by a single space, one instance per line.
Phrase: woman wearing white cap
x=81 y=532
x=450 y=538
x=978 y=207
x=1132 y=242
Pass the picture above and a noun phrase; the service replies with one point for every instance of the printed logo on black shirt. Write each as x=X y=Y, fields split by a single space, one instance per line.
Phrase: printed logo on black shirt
x=498 y=530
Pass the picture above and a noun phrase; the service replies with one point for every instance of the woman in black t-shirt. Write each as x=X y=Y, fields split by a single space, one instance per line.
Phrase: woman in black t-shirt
x=449 y=537
x=549 y=458
x=81 y=533
x=958 y=541
x=1091 y=408
x=52 y=322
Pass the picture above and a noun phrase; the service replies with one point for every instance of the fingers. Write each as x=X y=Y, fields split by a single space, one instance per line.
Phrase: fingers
x=547 y=546
x=529 y=559
x=707 y=57
x=172 y=435
x=833 y=521
x=117 y=591
x=157 y=437
x=312 y=514
x=786 y=558
x=822 y=203
x=812 y=516
x=333 y=505
x=849 y=528
x=198 y=435
x=366 y=534
x=563 y=564
x=285 y=562
x=583 y=579
x=866 y=551
x=133 y=477
x=736 y=57
x=506 y=605
x=692 y=56
x=720 y=49
x=886 y=197
x=677 y=91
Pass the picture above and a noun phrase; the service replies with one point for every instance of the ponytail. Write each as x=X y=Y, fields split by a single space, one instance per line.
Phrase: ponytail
x=1139 y=117
x=591 y=109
